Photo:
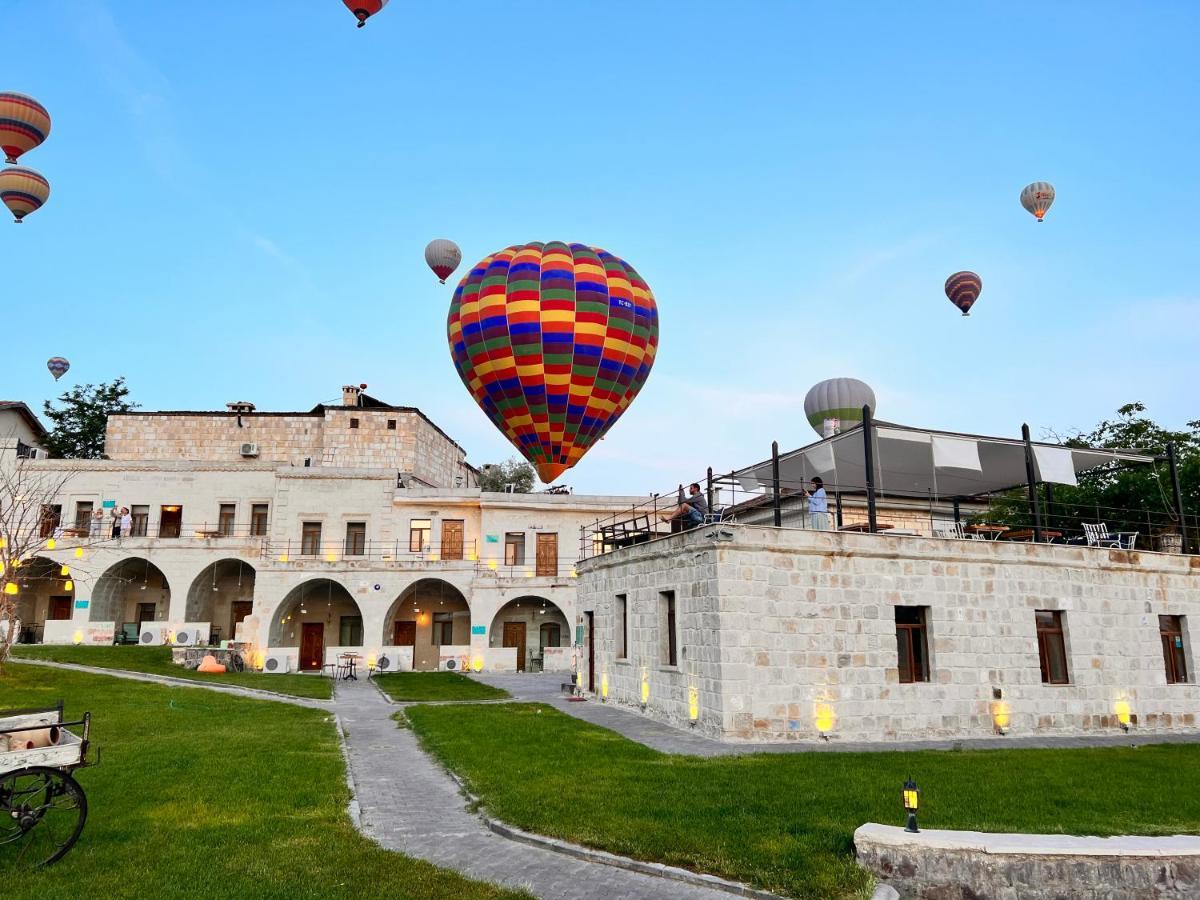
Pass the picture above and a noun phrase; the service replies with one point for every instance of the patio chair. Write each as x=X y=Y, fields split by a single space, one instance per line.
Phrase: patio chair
x=1098 y=535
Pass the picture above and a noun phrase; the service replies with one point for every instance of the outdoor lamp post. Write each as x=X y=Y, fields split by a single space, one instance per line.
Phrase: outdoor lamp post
x=912 y=799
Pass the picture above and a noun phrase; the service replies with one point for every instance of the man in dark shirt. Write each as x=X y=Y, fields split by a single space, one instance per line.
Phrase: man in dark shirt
x=692 y=511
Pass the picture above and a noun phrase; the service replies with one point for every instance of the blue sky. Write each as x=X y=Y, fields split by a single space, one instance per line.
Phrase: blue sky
x=242 y=193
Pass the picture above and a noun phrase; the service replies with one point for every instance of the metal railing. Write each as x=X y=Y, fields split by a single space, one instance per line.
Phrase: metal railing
x=163 y=530
x=397 y=551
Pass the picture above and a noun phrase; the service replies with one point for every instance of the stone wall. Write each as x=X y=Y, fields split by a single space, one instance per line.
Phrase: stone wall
x=286 y=439
x=776 y=625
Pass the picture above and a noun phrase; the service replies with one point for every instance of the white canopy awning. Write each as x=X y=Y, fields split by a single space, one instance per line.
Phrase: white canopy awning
x=923 y=462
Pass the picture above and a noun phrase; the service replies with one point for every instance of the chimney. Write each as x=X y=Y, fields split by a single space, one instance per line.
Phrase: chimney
x=350 y=394
x=240 y=406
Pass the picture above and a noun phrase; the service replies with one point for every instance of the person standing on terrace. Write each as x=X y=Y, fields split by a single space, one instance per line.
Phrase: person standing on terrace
x=818 y=506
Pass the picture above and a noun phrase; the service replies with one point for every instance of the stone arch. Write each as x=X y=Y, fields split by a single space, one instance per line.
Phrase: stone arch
x=428 y=615
x=218 y=595
x=543 y=621
x=43 y=595
x=317 y=601
x=119 y=594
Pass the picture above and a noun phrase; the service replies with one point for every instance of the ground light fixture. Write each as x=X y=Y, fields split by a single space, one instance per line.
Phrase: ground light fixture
x=1001 y=716
x=911 y=795
x=1124 y=714
x=645 y=686
x=603 y=687
x=824 y=719
x=77 y=638
x=693 y=705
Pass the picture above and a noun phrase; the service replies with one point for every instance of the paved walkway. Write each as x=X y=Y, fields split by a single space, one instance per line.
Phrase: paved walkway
x=408 y=803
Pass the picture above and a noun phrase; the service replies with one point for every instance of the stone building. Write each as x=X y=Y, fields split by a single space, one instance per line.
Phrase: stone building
x=357 y=526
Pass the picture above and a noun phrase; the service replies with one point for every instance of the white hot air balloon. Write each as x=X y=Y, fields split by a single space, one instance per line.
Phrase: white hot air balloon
x=1037 y=197
x=832 y=404
x=443 y=257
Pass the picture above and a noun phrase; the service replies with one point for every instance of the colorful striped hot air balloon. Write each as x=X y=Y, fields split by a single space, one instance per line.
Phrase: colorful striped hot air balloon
x=364 y=9
x=1037 y=197
x=23 y=190
x=443 y=257
x=553 y=341
x=24 y=124
x=58 y=366
x=963 y=289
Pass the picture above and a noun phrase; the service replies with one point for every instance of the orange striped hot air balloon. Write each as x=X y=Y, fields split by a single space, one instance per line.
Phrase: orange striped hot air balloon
x=24 y=124
x=23 y=190
x=963 y=289
x=364 y=9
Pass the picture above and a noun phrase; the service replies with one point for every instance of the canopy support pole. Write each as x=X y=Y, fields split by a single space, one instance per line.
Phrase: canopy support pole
x=1172 y=461
x=1031 y=478
x=1049 y=505
x=957 y=512
x=710 y=491
x=776 y=500
x=869 y=458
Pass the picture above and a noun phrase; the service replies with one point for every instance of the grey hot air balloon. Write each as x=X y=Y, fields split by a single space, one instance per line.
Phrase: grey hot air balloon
x=443 y=257
x=1037 y=197
x=832 y=405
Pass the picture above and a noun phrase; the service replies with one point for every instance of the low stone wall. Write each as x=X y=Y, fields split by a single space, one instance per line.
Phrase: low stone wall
x=967 y=865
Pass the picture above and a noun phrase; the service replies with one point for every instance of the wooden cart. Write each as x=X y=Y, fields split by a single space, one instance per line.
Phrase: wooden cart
x=42 y=807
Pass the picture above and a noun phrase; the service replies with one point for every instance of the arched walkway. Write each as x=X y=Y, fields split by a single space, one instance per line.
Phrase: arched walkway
x=531 y=624
x=133 y=591
x=222 y=594
x=46 y=594
x=429 y=616
x=315 y=617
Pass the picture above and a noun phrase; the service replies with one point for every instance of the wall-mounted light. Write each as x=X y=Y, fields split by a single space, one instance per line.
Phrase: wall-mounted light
x=79 y=553
x=492 y=564
x=64 y=571
x=68 y=585
x=331 y=557
x=283 y=557
x=11 y=588
x=529 y=573
x=911 y=795
x=51 y=544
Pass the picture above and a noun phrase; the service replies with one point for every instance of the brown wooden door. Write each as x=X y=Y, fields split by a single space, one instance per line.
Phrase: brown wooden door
x=404 y=634
x=547 y=554
x=60 y=608
x=452 y=539
x=514 y=636
x=591 y=639
x=146 y=613
x=238 y=610
x=312 y=646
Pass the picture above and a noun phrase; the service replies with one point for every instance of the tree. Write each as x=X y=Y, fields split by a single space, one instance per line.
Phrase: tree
x=515 y=472
x=80 y=423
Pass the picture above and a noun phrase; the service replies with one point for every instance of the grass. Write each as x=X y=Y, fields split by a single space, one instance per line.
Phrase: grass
x=157 y=661
x=436 y=686
x=200 y=794
x=785 y=821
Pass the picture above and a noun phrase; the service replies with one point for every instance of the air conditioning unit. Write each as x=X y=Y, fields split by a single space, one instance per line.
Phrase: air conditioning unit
x=150 y=637
x=183 y=638
x=249 y=449
x=386 y=662
x=276 y=664
x=450 y=665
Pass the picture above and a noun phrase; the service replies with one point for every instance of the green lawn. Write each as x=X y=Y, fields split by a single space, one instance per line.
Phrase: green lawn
x=785 y=821
x=433 y=686
x=157 y=661
x=203 y=795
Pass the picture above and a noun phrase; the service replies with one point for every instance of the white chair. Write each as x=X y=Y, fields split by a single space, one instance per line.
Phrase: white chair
x=1098 y=535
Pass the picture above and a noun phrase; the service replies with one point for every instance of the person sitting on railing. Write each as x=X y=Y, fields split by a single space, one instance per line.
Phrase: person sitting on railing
x=690 y=513
x=818 y=506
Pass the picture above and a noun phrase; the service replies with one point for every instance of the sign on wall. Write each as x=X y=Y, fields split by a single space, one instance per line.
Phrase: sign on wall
x=81 y=604
x=478 y=629
x=493 y=539
x=108 y=504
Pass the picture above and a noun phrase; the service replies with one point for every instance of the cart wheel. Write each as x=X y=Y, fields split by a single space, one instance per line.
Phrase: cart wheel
x=42 y=812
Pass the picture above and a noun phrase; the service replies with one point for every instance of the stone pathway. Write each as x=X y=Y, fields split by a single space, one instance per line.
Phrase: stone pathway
x=408 y=803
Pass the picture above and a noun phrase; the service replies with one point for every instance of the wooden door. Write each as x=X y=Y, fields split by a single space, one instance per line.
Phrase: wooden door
x=452 y=539
x=547 y=555
x=146 y=613
x=60 y=609
x=238 y=610
x=514 y=636
x=312 y=646
x=404 y=634
x=591 y=639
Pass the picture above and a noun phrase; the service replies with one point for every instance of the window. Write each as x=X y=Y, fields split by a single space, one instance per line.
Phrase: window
x=258 y=519
x=83 y=514
x=443 y=629
x=225 y=516
x=51 y=519
x=547 y=555
x=140 y=516
x=550 y=635
x=912 y=643
x=310 y=539
x=668 y=645
x=356 y=538
x=350 y=634
x=1052 y=648
x=1170 y=629
x=391 y=424
x=353 y=422
x=418 y=534
x=622 y=621
x=514 y=548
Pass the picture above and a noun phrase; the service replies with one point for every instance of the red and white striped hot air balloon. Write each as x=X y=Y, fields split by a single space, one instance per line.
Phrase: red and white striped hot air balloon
x=24 y=124
x=364 y=9
x=443 y=257
x=23 y=190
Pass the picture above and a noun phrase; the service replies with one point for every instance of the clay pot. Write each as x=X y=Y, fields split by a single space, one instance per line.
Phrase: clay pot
x=35 y=738
x=210 y=664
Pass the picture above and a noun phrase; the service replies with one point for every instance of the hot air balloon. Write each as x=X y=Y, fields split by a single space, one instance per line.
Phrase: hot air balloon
x=832 y=405
x=1037 y=197
x=443 y=257
x=364 y=9
x=963 y=289
x=22 y=190
x=24 y=124
x=553 y=341
x=58 y=366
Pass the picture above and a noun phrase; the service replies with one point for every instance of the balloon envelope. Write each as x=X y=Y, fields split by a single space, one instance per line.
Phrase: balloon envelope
x=553 y=341
x=23 y=190
x=24 y=124
x=1037 y=197
x=443 y=257
x=58 y=366
x=842 y=399
x=963 y=289
x=364 y=9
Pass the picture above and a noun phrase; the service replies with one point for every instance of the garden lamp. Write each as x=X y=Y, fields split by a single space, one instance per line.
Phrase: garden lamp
x=603 y=687
x=912 y=799
x=1124 y=716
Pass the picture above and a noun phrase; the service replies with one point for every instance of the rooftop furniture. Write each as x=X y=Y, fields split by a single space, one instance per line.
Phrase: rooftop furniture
x=982 y=531
x=865 y=526
x=1098 y=535
x=1028 y=534
x=127 y=634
